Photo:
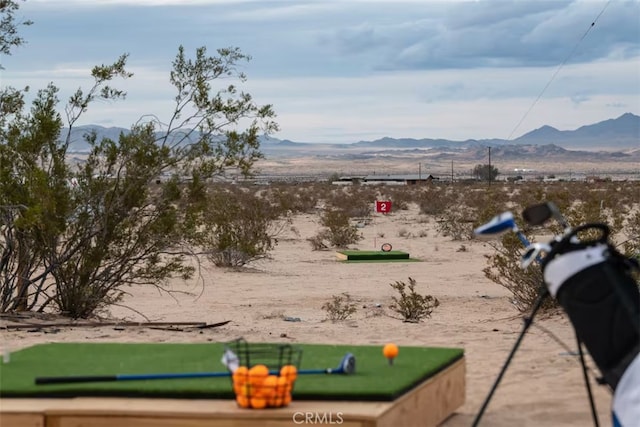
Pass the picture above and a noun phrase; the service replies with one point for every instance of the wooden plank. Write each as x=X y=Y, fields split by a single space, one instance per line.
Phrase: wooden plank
x=432 y=402
x=23 y=412
x=144 y=412
x=84 y=421
x=22 y=420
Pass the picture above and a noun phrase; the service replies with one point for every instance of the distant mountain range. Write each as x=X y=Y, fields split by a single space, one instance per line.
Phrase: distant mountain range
x=621 y=134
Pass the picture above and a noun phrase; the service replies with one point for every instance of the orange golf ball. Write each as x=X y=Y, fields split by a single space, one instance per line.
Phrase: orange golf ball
x=390 y=351
x=240 y=375
x=257 y=374
x=258 y=402
x=290 y=372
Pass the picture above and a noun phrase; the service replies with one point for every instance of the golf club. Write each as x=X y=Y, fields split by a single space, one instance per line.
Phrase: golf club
x=533 y=253
x=500 y=224
x=347 y=366
x=540 y=213
x=127 y=377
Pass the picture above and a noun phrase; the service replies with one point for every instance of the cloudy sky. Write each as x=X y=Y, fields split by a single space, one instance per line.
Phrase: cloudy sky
x=345 y=71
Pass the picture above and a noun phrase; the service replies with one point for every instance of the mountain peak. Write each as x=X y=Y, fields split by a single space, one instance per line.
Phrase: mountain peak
x=622 y=132
x=545 y=131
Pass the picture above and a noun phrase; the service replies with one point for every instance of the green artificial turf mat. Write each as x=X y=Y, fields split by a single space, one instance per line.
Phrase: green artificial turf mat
x=349 y=261
x=374 y=255
x=374 y=378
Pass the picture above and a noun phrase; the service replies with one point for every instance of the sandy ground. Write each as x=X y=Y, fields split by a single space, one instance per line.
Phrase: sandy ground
x=544 y=385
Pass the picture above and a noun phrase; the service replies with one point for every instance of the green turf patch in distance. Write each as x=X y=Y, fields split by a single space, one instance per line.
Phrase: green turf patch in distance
x=374 y=378
x=380 y=260
x=351 y=255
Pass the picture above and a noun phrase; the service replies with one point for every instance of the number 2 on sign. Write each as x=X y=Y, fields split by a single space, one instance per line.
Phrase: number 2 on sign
x=383 y=206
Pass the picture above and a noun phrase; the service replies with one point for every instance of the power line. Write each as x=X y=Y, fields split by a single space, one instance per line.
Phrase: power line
x=558 y=70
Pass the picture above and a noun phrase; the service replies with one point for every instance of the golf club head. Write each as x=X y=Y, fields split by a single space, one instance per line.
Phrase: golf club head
x=542 y=212
x=348 y=364
x=537 y=214
x=230 y=360
x=497 y=225
x=533 y=253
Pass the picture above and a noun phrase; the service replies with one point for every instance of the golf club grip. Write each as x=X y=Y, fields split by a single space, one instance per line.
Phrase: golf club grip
x=76 y=379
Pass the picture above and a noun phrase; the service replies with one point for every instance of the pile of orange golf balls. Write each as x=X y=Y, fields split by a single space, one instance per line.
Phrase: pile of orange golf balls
x=257 y=388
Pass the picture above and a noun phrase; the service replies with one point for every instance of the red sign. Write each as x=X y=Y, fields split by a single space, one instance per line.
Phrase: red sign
x=383 y=206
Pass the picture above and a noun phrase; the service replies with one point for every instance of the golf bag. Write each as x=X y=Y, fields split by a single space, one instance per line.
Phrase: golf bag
x=595 y=286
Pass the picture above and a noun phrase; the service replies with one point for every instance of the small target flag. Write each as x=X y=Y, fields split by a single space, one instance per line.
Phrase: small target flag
x=383 y=206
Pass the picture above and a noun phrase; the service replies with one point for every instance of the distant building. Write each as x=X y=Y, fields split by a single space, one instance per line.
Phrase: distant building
x=407 y=179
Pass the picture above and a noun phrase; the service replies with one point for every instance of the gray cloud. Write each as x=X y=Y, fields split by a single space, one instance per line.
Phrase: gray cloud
x=415 y=69
x=289 y=38
x=497 y=34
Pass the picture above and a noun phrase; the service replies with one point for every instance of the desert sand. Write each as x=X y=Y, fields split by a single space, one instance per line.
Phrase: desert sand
x=544 y=385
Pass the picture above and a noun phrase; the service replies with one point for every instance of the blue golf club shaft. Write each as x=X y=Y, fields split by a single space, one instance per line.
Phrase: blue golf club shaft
x=163 y=376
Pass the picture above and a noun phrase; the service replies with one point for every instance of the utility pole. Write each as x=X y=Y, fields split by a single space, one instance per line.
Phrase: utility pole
x=489 y=166
x=451 y=171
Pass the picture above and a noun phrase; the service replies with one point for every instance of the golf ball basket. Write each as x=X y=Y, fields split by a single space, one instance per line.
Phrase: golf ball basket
x=265 y=373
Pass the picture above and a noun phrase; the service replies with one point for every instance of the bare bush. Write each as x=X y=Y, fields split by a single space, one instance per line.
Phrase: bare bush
x=340 y=307
x=403 y=232
x=504 y=269
x=338 y=231
x=354 y=201
x=434 y=201
x=318 y=242
x=412 y=306
x=291 y=198
x=456 y=223
x=239 y=227
x=401 y=197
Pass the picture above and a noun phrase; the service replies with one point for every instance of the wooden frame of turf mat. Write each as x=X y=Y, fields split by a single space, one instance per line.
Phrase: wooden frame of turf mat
x=431 y=401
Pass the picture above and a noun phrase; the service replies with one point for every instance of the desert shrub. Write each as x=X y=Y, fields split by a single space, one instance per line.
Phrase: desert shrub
x=629 y=192
x=483 y=200
x=338 y=231
x=504 y=269
x=318 y=242
x=412 y=306
x=456 y=223
x=333 y=177
x=434 y=201
x=403 y=232
x=601 y=205
x=400 y=197
x=354 y=201
x=340 y=307
x=239 y=227
x=530 y=193
x=631 y=245
x=295 y=199
x=321 y=190
x=483 y=205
